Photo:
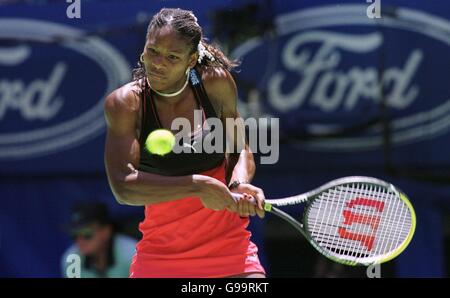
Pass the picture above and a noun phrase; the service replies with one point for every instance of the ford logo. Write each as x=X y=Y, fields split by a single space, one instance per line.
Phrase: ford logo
x=48 y=102
x=321 y=74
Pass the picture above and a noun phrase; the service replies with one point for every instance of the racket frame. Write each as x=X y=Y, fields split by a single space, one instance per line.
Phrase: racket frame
x=311 y=196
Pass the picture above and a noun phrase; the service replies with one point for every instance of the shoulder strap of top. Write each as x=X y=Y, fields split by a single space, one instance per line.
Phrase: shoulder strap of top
x=148 y=118
x=200 y=93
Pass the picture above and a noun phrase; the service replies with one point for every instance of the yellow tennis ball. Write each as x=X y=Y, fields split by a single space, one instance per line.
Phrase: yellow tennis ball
x=160 y=142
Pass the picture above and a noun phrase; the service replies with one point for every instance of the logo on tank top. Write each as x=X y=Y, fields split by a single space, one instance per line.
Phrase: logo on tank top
x=194 y=78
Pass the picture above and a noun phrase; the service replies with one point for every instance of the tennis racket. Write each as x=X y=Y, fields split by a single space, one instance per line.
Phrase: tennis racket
x=353 y=220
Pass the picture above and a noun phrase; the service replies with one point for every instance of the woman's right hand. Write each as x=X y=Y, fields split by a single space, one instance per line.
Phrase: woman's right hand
x=214 y=194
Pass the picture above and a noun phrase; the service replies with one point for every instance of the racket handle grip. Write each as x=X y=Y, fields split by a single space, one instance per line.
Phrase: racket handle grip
x=237 y=197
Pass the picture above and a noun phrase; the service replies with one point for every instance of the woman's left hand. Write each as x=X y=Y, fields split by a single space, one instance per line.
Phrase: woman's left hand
x=252 y=202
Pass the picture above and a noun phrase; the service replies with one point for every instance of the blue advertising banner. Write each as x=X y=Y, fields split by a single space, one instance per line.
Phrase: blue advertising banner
x=348 y=87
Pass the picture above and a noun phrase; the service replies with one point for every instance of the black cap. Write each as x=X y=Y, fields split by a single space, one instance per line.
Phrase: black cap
x=85 y=213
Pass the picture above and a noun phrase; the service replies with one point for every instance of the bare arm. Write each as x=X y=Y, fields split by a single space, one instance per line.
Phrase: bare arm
x=241 y=164
x=122 y=154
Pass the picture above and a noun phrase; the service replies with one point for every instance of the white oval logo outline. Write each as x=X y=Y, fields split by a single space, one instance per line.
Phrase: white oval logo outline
x=76 y=131
x=432 y=123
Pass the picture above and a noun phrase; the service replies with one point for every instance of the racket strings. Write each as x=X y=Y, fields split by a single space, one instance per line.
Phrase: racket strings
x=329 y=239
x=403 y=227
x=329 y=234
x=392 y=219
x=387 y=229
x=370 y=191
x=335 y=243
x=362 y=234
x=392 y=225
x=387 y=223
x=340 y=241
x=289 y=201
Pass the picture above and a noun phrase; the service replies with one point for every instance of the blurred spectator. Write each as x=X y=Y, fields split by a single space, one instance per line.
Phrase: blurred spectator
x=327 y=269
x=102 y=251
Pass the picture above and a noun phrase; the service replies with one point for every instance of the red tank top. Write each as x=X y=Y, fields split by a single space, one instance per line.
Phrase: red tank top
x=182 y=238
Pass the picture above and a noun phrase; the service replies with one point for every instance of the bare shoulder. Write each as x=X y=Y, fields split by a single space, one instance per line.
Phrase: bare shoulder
x=123 y=104
x=220 y=86
x=124 y=98
x=218 y=80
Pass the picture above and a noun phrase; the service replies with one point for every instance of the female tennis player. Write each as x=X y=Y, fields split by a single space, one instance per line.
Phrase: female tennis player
x=192 y=225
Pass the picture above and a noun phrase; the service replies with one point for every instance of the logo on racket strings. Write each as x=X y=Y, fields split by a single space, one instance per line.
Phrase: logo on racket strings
x=370 y=221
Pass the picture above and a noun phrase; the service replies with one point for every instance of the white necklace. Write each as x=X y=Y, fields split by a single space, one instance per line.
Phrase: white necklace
x=174 y=93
